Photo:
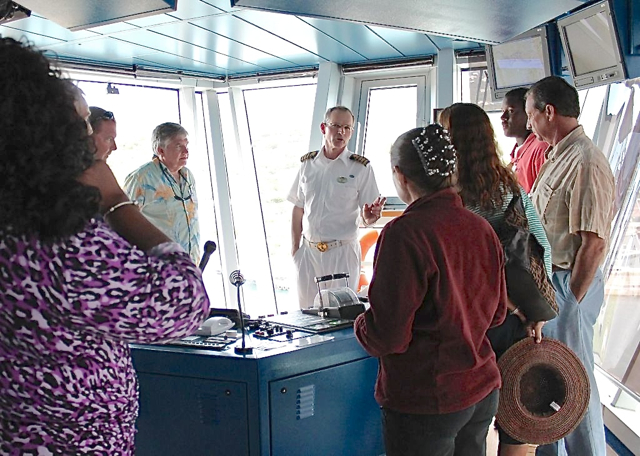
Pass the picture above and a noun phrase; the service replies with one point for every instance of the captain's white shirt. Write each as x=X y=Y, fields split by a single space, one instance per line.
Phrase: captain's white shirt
x=332 y=192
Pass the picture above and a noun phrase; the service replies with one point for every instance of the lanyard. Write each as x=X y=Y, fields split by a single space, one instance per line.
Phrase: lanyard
x=180 y=198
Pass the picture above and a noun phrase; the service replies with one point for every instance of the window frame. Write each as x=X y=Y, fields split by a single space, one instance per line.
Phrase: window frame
x=361 y=109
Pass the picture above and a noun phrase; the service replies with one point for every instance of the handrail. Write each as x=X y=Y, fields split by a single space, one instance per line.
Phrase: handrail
x=618 y=384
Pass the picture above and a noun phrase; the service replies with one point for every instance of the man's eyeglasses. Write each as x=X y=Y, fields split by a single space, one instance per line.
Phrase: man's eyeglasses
x=346 y=128
x=182 y=199
x=107 y=115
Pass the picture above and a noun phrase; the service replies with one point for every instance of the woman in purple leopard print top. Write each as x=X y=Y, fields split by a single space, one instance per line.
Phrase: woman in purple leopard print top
x=75 y=290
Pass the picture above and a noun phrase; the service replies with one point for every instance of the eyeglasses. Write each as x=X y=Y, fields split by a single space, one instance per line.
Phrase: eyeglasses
x=183 y=199
x=346 y=128
x=95 y=118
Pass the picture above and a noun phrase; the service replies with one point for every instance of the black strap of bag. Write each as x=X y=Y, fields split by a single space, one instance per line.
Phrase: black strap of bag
x=528 y=286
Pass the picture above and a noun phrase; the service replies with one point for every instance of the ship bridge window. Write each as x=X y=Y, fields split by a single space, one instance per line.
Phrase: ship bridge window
x=474 y=87
x=273 y=126
x=616 y=336
x=390 y=112
x=137 y=111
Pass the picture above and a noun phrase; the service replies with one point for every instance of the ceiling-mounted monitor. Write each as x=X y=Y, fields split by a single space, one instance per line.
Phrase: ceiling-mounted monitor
x=591 y=46
x=519 y=62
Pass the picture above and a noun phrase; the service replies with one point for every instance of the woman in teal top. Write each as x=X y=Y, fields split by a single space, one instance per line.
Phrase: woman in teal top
x=487 y=187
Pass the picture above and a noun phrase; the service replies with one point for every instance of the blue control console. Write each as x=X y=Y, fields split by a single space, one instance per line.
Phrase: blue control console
x=300 y=392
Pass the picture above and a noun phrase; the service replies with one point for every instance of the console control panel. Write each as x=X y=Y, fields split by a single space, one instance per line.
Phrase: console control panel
x=218 y=343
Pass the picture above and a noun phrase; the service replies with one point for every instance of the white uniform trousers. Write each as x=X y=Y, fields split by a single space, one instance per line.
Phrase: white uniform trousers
x=311 y=263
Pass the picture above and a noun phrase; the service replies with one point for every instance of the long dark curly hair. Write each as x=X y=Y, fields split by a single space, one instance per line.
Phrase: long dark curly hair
x=483 y=179
x=44 y=148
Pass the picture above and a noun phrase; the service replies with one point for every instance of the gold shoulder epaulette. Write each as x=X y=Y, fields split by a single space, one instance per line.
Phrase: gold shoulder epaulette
x=309 y=156
x=359 y=158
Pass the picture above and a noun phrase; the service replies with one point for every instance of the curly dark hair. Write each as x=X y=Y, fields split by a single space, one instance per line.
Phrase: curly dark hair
x=44 y=148
x=482 y=178
x=426 y=157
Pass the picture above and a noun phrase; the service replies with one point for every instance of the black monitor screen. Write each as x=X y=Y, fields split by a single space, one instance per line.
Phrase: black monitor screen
x=519 y=63
x=591 y=45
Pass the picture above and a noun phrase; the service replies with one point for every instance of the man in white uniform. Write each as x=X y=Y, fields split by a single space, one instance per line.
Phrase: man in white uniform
x=334 y=189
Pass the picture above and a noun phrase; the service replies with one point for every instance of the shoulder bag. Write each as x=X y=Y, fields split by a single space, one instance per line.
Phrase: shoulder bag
x=528 y=285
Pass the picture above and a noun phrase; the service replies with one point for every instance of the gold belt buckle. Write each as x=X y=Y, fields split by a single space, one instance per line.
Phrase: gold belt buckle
x=322 y=246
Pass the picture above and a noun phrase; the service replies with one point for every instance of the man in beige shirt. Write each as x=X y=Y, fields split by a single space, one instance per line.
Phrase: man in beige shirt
x=573 y=195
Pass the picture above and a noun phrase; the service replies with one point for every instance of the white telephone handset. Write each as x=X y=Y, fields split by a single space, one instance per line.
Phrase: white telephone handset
x=214 y=326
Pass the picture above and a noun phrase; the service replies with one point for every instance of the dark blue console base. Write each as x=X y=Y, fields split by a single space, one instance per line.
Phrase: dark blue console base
x=294 y=399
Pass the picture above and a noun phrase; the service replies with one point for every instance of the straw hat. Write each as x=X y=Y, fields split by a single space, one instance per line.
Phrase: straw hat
x=545 y=391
